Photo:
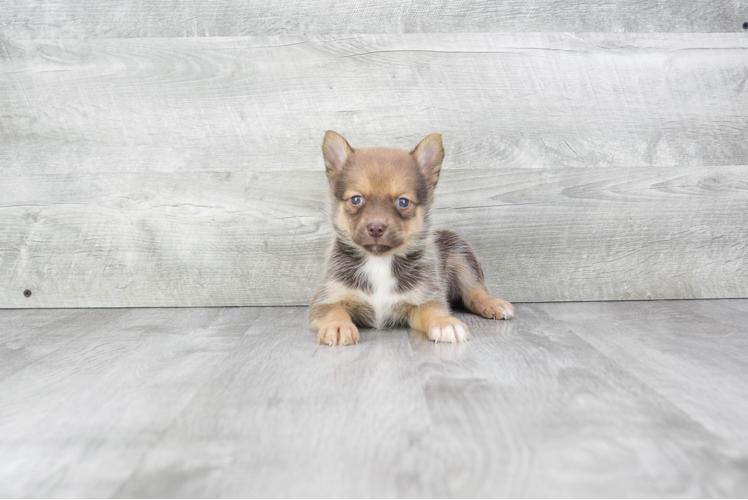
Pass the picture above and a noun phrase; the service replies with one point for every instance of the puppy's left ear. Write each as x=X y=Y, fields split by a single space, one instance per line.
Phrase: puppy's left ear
x=429 y=155
x=337 y=153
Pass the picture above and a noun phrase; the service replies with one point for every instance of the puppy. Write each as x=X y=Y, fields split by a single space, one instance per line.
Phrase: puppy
x=387 y=267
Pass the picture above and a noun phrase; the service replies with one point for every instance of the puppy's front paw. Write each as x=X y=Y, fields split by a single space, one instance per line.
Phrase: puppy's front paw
x=493 y=308
x=338 y=333
x=447 y=329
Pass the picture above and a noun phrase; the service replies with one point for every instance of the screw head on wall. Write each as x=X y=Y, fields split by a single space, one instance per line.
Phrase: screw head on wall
x=27 y=293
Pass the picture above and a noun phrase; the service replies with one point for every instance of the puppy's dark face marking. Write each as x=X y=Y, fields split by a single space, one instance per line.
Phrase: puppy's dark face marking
x=381 y=196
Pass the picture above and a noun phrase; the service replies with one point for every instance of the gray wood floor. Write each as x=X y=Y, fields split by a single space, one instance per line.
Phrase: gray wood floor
x=570 y=399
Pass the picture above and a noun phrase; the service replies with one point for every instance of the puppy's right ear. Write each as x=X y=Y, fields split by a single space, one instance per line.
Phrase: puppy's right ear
x=337 y=153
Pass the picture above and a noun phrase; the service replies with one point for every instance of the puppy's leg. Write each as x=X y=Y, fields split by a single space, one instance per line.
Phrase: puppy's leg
x=333 y=324
x=465 y=278
x=434 y=319
x=480 y=302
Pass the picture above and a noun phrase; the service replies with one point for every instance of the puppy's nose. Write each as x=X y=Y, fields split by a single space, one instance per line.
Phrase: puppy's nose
x=376 y=229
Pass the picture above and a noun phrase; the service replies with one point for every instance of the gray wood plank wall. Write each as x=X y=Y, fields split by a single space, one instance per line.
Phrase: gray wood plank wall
x=181 y=170
x=200 y=18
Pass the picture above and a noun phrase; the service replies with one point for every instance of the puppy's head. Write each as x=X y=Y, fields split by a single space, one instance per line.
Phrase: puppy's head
x=381 y=196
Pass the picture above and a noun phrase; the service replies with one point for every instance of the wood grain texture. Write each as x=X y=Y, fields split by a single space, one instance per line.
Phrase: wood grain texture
x=364 y=428
x=187 y=172
x=530 y=408
x=27 y=338
x=160 y=239
x=139 y=18
x=680 y=349
x=87 y=410
x=636 y=399
x=263 y=103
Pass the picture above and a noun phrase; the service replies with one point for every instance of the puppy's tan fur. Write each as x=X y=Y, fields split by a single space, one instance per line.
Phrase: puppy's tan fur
x=386 y=266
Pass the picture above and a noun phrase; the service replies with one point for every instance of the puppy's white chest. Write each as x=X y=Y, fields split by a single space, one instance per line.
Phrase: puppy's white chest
x=378 y=272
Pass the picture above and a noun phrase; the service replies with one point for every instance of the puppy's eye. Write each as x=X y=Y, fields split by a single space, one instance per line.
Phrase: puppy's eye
x=403 y=202
x=357 y=200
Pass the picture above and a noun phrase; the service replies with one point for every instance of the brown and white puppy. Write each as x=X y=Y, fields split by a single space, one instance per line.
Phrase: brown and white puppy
x=386 y=266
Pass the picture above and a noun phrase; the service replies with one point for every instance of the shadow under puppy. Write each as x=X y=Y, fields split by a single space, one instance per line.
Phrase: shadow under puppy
x=386 y=266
